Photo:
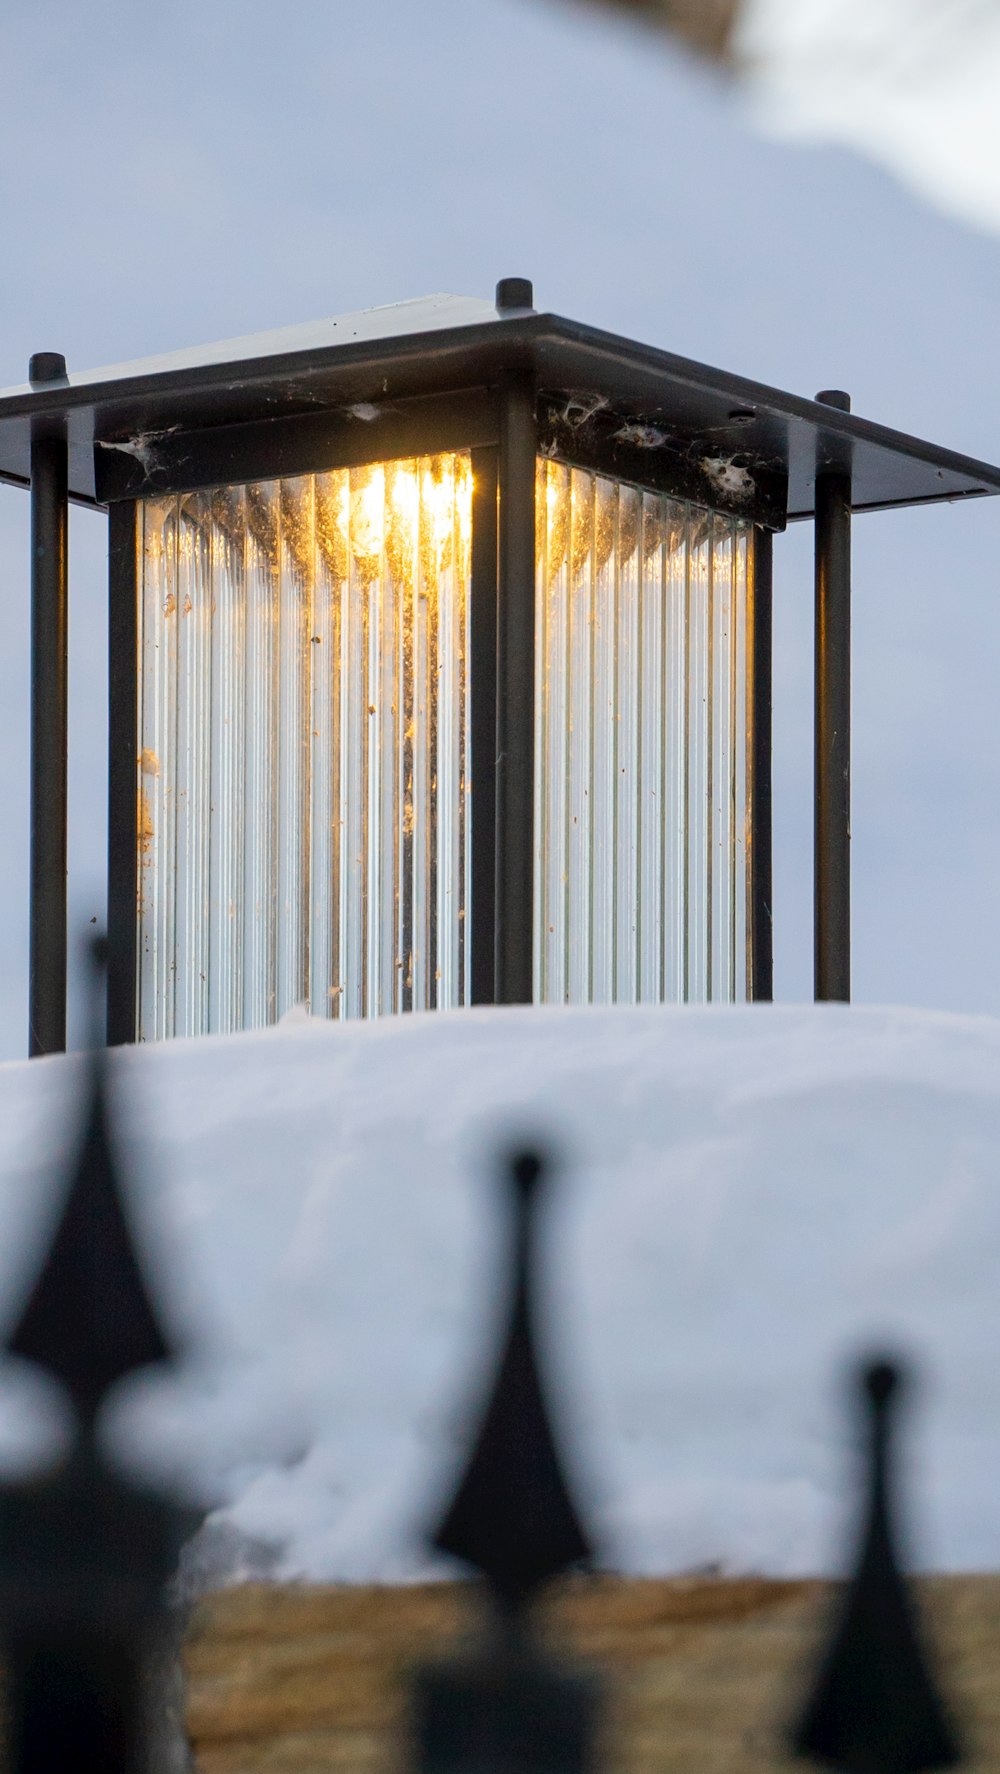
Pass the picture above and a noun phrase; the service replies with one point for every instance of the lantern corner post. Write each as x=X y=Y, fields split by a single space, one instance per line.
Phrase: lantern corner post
x=123 y=717
x=832 y=829
x=515 y=726
x=761 y=918
x=47 y=943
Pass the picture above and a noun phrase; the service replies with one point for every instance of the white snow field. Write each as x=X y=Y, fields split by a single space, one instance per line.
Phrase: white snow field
x=748 y=1200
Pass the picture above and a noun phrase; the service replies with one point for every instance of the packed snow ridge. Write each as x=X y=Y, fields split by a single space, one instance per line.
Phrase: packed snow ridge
x=746 y=1202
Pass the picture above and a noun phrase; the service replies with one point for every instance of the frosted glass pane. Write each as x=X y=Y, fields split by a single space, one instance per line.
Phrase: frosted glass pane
x=261 y=553
x=628 y=718
x=676 y=594
x=551 y=727
x=585 y=788
x=296 y=584
x=304 y=770
x=699 y=761
x=742 y=745
x=228 y=758
x=722 y=855
x=157 y=805
x=193 y=779
x=600 y=935
x=651 y=787
x=640 y=745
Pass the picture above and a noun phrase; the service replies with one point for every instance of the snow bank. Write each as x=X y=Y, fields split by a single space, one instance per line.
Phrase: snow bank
x=748 y=1199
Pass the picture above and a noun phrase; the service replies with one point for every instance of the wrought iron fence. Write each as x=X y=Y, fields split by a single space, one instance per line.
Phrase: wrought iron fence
x=87 y=1553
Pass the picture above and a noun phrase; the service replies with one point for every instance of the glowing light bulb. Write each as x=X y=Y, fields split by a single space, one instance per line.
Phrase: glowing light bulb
x=368 y=516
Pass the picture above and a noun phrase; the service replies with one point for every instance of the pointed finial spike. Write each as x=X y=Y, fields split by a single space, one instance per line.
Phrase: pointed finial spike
x=527 y=1169
x=881 y=1380
x=874 y=1707
x=89 y=1318
x=512 y=1516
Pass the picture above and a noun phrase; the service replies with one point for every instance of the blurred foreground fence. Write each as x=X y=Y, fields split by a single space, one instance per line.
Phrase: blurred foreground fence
x=86 y=1553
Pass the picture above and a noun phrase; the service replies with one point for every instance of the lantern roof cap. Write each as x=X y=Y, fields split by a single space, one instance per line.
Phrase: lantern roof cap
x=380 y=357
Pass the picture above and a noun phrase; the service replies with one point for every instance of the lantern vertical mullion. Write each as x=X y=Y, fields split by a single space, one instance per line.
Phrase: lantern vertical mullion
x=697 y=825
x=578 y=738
x=832 y=740
x=47 y=938
x=676 y=571
x=722 y=758
x=741 y=746
x=628 y=660
x=652 y=815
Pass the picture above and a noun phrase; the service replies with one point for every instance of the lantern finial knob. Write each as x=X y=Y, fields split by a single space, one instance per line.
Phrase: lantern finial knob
x=514 y=292
x=47 y=366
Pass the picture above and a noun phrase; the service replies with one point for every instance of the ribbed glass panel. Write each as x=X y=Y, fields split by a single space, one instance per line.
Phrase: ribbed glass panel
x=228 y=757
x=653 y=752
x=157 y=810
x=304 y=770
x=742 y=744
x=193 y=775
x=624 y=535
x=641 y=736
x=553 y=508
x=672 y=538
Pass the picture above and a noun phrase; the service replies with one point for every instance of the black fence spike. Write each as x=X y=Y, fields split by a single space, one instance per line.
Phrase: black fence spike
x=86 y=1550
x=89 y=1319
x=874 y=1708
x=512 y=1516
x=509 y=1704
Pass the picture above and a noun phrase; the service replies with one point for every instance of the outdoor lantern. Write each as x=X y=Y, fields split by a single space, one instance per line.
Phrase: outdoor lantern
x=440 y=664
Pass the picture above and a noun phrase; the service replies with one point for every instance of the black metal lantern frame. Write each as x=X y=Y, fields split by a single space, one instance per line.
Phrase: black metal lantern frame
x=520 y=396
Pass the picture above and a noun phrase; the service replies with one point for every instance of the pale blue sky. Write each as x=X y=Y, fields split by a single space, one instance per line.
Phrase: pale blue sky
x=172 y=175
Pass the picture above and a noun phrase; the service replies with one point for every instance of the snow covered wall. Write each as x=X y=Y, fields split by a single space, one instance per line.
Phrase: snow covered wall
x=748 y=1199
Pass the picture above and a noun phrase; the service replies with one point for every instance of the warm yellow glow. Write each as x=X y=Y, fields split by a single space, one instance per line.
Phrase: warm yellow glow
x=367 y=514
x=405 y=507
x=327 y=615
